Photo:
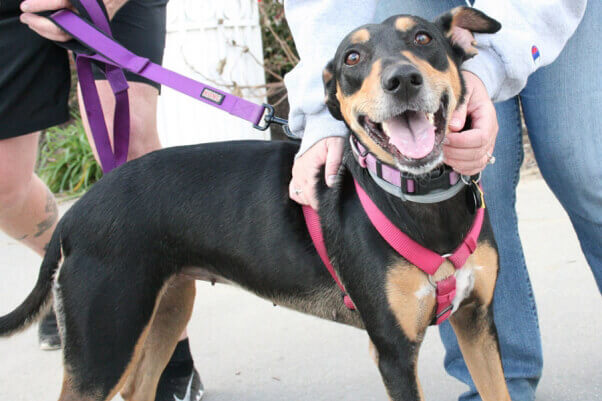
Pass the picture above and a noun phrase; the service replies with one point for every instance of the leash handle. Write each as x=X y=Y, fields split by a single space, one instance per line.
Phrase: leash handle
x=110 y=156
x=95 y=34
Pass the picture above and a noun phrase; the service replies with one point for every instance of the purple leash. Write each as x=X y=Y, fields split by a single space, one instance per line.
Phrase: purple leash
x=109 y=159
x=115 y=58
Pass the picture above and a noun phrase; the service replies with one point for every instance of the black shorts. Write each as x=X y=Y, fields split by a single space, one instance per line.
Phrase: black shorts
x=34 y=72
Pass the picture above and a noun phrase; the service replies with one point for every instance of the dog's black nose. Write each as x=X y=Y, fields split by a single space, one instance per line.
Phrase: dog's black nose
x=402 y=79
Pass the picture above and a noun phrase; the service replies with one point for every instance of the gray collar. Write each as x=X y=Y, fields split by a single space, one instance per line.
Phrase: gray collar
x=435 y=196
x=442 y=185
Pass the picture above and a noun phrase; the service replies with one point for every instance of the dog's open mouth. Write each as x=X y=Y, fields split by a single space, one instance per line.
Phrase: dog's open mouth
x=411 y=135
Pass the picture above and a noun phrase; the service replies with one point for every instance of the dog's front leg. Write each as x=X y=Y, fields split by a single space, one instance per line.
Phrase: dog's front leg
x=476 y=333
x=397 y=362
x=475 y=329
x=396 y=328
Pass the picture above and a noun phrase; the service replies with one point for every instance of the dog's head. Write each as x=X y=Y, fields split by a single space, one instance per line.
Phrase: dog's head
x=395 y=84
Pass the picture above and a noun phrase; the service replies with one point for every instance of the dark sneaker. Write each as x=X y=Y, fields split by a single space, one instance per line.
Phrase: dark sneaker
x=183 y=388
x=48 y=333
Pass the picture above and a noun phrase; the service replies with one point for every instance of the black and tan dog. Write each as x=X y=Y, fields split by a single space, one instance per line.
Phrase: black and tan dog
x=121 y=259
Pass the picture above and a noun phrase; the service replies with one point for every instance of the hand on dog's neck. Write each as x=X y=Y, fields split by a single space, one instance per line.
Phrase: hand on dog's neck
x=440 y=226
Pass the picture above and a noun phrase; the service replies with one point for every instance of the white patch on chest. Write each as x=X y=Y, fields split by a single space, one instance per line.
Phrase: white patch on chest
x=423 y=291
x=464 y=284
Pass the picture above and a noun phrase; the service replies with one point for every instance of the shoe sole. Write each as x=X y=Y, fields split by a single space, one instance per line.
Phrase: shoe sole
x=47 y=346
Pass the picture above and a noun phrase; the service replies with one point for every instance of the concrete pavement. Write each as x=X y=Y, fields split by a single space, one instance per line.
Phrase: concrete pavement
x=247 y=350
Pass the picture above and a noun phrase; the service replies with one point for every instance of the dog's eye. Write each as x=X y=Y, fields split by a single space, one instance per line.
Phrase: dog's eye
x=352 y=58
x=422 y=38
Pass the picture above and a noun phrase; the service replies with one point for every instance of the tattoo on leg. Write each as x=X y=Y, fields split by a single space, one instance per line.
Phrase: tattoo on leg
x=51 y=203
x=53 y=211
x=23 y=237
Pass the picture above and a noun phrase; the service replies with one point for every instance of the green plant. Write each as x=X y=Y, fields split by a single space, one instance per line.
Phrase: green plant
x=66 y=162
x=279 y=52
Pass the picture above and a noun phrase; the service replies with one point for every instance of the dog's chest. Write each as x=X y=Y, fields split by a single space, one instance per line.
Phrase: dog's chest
x=465 y=281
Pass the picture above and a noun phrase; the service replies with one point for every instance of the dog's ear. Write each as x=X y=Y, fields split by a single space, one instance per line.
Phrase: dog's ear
x=458 y=25
x=330 y=90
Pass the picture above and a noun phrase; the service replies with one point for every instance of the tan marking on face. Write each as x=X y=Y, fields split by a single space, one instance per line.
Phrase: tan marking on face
x=404 y=23
x=366 y=101
x=360 y=36
x=440 y=81
x=413 y=314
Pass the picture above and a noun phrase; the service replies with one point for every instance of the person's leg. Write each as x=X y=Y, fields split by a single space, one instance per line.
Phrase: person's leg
x=34 y=88
x=144 y=137
x=563 y=111
x=28 y=210
x=140 y=26
x=514 y=306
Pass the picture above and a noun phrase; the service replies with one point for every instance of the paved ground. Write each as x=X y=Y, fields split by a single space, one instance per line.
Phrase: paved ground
x=247 y=350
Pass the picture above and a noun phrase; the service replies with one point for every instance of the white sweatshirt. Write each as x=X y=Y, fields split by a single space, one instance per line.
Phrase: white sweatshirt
x=533 y=34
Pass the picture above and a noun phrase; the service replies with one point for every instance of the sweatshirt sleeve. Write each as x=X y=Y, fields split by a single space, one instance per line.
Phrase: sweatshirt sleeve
x=318 y=26
x=533 y=34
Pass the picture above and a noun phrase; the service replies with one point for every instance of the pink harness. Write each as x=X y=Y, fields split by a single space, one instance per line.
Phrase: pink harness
x=423 y=258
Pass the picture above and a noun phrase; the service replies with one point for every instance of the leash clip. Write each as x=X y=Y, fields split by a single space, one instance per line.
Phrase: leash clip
x=468 y=180
x=270 y=118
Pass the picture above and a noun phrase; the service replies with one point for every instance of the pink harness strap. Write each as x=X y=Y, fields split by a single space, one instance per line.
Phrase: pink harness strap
x=312 y=220
x=423 y=258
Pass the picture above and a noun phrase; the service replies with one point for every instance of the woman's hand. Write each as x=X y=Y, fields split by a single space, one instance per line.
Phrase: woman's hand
x=468 y=152
x=46 y=28
x=329 y=152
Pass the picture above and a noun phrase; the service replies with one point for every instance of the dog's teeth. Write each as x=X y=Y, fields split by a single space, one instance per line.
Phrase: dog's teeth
x=431 y=118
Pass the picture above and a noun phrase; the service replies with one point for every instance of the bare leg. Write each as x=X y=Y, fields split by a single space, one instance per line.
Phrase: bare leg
x=144 y=137
x=28 y=210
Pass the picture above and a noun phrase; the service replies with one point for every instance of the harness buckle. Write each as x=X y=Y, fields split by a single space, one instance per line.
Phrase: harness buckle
x=445 y=294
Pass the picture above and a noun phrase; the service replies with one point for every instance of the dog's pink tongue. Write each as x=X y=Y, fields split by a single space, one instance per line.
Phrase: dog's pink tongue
x=411 y=133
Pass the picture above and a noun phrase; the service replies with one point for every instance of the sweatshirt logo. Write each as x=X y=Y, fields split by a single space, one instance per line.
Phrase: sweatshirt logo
x=534 y=52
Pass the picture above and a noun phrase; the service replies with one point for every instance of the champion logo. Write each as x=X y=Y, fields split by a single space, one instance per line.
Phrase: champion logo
x=534 y=52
